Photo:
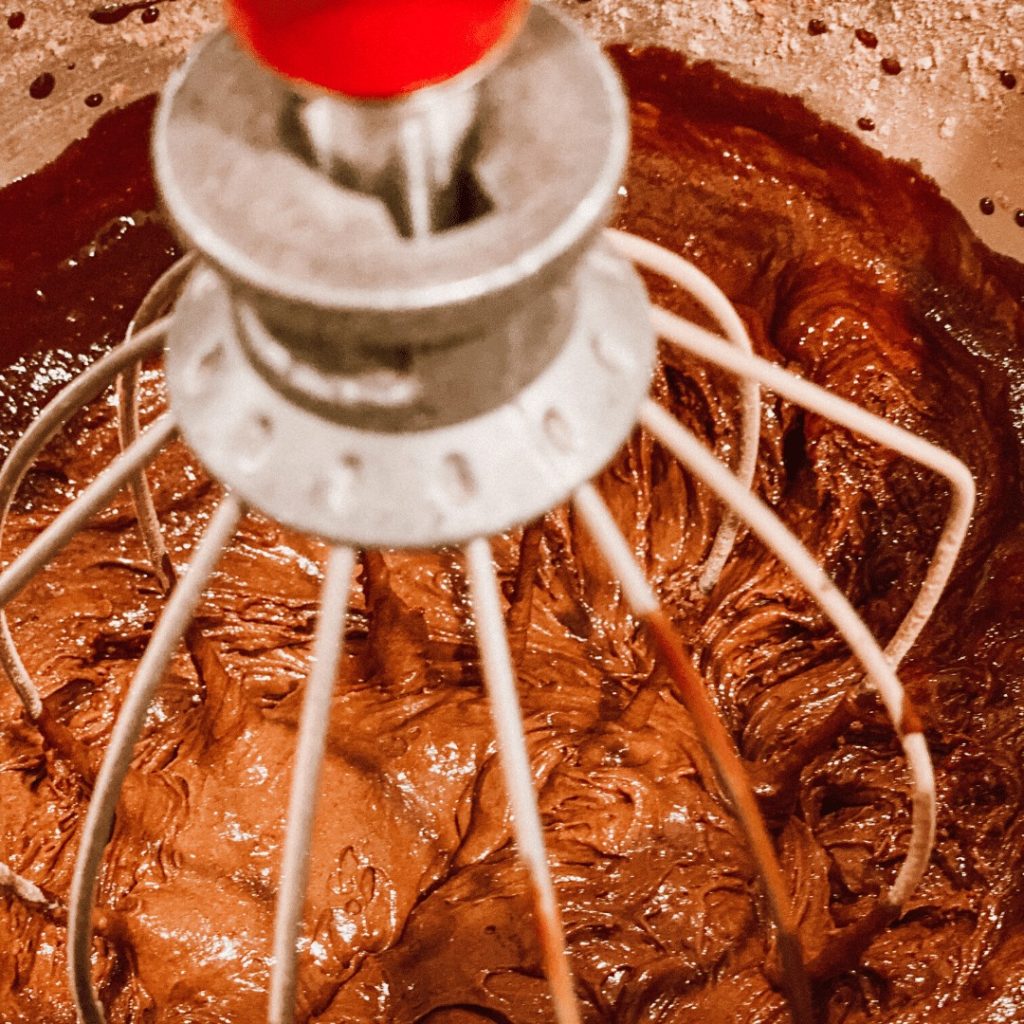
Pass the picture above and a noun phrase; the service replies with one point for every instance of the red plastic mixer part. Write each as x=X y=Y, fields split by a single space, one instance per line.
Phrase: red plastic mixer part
x=374 y=49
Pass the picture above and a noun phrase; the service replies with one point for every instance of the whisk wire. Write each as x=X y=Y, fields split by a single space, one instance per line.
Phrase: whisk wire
x=82 y=390
x=499 y=677
x=313 y=727
x=877 y=666
x=810 y=396
x=118 y=757
x=718 y=745
x=158 y=299
x=44 y=548
x=700 y=287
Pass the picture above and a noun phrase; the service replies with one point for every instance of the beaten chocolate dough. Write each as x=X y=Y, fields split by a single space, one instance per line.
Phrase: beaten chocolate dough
x=850 y=270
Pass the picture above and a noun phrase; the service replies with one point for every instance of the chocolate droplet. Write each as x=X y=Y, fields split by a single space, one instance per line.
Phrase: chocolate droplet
x=816 y=27
x=42 y=86
x=987 y=207
x=865 y=124
x=111 y=14
x=866 y=38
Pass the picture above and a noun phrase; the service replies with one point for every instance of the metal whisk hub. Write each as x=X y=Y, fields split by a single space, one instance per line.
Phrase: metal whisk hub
x=368 y=358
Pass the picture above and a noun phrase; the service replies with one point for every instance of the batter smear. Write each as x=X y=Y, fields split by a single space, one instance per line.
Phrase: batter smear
x=846 y=268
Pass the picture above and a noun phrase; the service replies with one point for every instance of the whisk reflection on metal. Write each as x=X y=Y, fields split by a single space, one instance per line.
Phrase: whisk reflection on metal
x=394 y=338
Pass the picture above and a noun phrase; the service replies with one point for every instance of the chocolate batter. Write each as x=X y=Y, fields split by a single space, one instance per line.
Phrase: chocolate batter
x=847 y=268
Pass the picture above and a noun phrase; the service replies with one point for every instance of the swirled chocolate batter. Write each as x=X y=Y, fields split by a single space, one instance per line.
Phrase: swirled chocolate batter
x=845 y=267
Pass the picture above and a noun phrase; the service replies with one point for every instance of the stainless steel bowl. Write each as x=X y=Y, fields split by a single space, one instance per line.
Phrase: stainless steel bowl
x=954 y=106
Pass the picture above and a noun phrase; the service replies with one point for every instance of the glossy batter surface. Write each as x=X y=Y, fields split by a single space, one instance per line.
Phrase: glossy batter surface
x=845 y=268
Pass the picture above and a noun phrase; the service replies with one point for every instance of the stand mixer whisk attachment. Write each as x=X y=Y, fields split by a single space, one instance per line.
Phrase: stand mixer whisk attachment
x=406 y=328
